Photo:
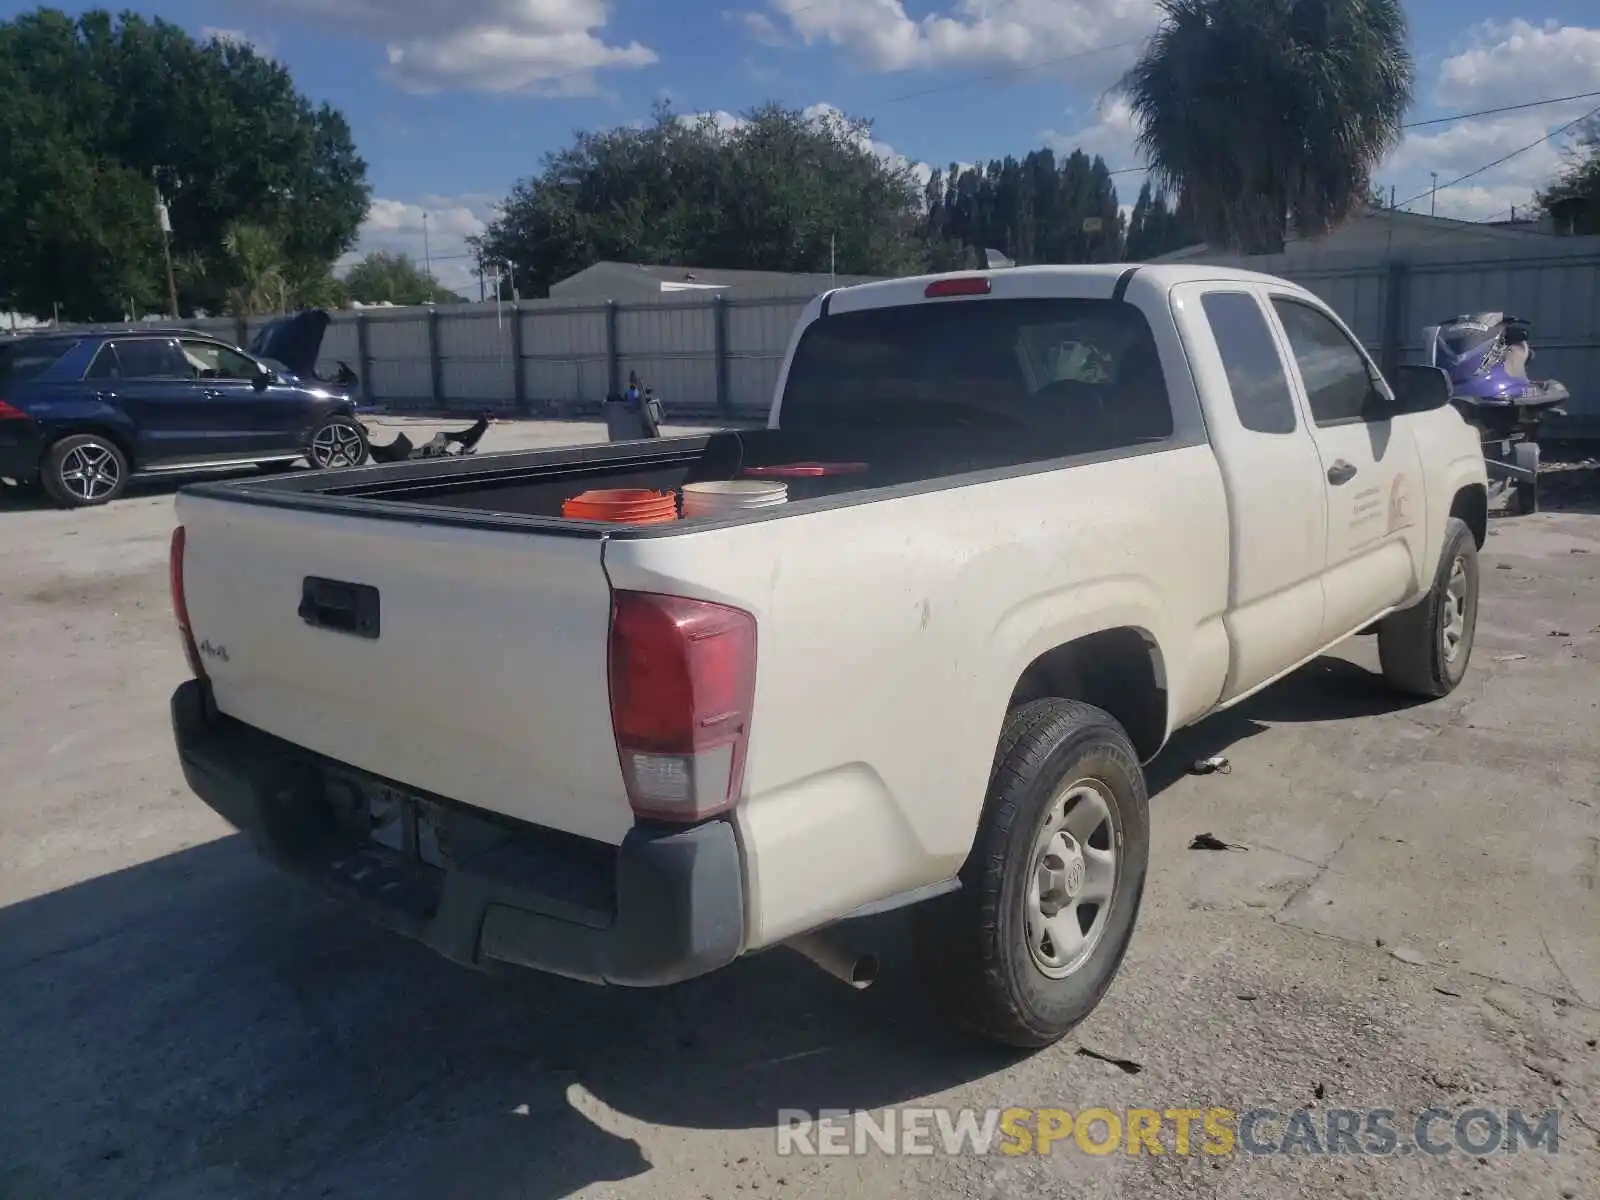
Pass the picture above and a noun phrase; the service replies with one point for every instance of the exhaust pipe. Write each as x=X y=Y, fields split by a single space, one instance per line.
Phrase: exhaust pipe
x=856 y=970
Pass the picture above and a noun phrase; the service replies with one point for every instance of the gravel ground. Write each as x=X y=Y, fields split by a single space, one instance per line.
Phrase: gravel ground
x=1413 y=921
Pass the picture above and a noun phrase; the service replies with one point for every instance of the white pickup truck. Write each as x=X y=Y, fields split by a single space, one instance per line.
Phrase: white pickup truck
x=1087 y=506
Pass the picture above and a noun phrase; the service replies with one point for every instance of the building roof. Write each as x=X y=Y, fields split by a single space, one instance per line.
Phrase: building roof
x=672 y=278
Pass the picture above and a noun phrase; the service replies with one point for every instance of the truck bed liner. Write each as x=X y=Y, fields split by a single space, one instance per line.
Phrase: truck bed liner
x=525 y=489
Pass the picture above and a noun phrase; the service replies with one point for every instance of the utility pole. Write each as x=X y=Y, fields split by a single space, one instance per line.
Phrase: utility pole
x=164 y=221
x=1433 y=197
x=832 y=260
x=427 y=254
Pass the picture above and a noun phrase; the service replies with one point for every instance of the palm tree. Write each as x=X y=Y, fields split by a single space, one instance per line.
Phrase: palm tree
x=1271 y=114
x=255 y=256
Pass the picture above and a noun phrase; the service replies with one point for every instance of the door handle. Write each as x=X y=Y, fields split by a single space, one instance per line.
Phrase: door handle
x=342 y=607
x=1341 y=472
x=211 y=393
x=105 y=395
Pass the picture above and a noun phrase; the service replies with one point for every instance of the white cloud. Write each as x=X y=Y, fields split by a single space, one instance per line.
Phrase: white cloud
x=1112 y=135
x=1505 y=63
x=1515 y=61
x=760 y=27
x=881 y=35
x=542 y=47
x=397 y=226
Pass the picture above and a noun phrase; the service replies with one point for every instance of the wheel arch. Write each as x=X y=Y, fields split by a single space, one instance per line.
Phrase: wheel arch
x=1120 y=670
x=120 y=438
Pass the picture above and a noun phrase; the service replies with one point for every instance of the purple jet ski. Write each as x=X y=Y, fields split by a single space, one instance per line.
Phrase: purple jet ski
x=1486 y=356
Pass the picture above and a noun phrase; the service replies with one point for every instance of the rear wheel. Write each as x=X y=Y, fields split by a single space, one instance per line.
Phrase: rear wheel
x=338 y=442
x=1051 y=891
x=84 y=470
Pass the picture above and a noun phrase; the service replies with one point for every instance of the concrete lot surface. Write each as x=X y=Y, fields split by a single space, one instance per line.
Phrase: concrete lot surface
x=1413 y=920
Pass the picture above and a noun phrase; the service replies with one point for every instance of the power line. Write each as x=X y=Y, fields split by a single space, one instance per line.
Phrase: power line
x=1468 y=116
x=1504 y=108
x=1554 y=133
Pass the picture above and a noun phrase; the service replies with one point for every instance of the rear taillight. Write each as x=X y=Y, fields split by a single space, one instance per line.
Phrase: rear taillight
x=180 y=605
x=8 y=413
x=967 y=285
x=683 y=680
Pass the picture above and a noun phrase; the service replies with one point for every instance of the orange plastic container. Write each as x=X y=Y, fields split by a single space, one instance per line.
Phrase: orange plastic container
x=622 y=506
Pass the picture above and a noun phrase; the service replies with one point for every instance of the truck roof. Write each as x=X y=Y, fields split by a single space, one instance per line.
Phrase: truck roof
x=1164 y=275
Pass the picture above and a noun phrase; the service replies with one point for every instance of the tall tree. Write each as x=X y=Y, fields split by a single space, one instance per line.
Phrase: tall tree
x=97 y=111
x=384 y=278
x=1035 y=210
x=1573 y=198
x=1268 y=115
x=779 y=191
x=1154 y=227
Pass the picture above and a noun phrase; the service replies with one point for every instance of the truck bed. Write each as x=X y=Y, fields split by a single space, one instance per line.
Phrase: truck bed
x=525 y=489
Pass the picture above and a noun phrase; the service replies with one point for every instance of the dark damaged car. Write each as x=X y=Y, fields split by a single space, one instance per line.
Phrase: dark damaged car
x=83 y=413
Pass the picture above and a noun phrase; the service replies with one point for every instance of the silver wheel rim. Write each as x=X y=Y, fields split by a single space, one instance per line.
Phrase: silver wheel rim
x=90 y=472
x=1072 y=878
x=1454 y=630
x=336 y=446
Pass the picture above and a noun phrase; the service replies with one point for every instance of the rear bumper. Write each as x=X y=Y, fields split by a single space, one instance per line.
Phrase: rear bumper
x=665 y=906
x=21 y=448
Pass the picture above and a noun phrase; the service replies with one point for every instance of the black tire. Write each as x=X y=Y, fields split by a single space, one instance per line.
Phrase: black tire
x=1414 y=644
x=338 y=442
x=85 y=470
x=974 y=945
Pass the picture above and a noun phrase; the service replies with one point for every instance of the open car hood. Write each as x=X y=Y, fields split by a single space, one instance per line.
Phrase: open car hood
x=295 y=340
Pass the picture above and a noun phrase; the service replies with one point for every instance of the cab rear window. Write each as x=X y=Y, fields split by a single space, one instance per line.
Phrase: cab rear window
x=1061 y=376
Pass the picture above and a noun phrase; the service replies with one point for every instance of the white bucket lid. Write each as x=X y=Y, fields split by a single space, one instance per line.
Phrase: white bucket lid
x=737 y=490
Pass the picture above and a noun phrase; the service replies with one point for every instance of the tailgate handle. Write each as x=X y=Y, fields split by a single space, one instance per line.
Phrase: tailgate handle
x=339 y=606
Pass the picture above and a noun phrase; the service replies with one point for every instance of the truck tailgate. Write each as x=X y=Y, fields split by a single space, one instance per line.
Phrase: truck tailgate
x=483 y=681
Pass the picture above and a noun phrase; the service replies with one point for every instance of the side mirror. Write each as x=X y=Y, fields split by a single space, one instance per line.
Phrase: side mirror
x=265 y=377
x=1419 y=389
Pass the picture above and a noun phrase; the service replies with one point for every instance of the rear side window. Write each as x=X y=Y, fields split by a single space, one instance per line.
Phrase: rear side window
x=1049 y=377
x=27 y=358
x=151 y=358
x=1260 y=389
x=1335 y=373
x=105 y=365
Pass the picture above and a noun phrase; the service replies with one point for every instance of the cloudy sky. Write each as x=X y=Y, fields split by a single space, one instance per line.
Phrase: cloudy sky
x=452 y=100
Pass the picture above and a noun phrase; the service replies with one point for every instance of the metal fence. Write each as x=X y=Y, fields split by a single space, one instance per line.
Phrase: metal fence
x=721 y=355
x=702 y=356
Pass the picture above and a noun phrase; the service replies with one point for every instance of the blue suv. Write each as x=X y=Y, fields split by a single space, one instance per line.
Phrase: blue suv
x=81 y=413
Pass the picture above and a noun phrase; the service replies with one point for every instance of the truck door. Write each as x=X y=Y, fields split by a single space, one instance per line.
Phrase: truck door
x=1371 y=471
x=1272 y=475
